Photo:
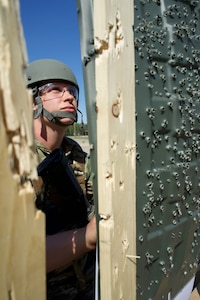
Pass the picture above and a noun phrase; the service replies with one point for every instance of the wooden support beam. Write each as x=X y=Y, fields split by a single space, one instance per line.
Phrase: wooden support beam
x=113 y=21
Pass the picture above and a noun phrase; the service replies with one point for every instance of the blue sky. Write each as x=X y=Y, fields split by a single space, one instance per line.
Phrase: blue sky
x=51 y=31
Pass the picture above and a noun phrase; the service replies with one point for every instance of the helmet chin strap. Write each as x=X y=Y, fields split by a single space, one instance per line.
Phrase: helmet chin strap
x=37 y=112
x=54 y=116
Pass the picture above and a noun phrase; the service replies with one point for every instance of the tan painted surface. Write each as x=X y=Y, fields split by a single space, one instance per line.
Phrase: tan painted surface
x=113 y=33
x=22 y=264
x=195 y=295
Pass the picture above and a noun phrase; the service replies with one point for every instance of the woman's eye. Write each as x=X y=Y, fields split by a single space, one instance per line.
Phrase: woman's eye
x=72 y=91
x=55 y=89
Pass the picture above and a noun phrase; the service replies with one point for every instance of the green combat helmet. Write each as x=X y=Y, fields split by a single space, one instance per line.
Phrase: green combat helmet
x=49 y=70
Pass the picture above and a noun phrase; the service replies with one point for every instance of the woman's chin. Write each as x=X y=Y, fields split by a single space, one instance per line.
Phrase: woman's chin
x=66 y=121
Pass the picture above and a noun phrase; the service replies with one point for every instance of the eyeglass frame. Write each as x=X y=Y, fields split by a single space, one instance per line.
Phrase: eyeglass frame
x=66 y=88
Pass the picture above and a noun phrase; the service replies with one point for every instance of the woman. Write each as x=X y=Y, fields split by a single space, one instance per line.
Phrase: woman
x=66 y=201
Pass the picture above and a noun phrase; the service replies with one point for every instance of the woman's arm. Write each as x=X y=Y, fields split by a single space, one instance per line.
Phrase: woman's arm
x=64 y=247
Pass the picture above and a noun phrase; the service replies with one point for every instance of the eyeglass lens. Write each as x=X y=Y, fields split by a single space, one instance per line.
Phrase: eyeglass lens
x=55 y=90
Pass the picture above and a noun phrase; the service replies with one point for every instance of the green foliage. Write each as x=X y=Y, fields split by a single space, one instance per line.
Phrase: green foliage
x=77 y=129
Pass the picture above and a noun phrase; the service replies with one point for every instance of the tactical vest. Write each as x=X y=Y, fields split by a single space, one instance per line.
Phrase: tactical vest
x=65 y=196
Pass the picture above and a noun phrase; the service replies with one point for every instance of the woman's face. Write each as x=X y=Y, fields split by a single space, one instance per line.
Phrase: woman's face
x=60 y=97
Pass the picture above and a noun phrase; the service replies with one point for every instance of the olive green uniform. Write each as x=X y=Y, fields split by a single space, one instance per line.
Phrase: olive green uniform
x=77 y=280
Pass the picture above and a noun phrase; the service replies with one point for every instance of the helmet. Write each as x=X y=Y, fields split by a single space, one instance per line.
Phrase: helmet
x=48 y=69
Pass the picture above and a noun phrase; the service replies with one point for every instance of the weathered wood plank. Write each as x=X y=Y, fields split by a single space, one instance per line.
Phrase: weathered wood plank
x=113 y=21
x=22 y=247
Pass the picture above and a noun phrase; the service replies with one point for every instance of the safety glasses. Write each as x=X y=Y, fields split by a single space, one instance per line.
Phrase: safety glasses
x=57 y=90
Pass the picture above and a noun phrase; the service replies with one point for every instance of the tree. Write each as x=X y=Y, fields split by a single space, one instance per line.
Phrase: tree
x=77 y=129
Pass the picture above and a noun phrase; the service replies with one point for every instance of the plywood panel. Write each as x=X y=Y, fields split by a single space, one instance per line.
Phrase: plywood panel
x=22 y=247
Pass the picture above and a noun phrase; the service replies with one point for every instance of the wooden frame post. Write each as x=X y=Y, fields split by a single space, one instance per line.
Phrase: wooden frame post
x=113 y=33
